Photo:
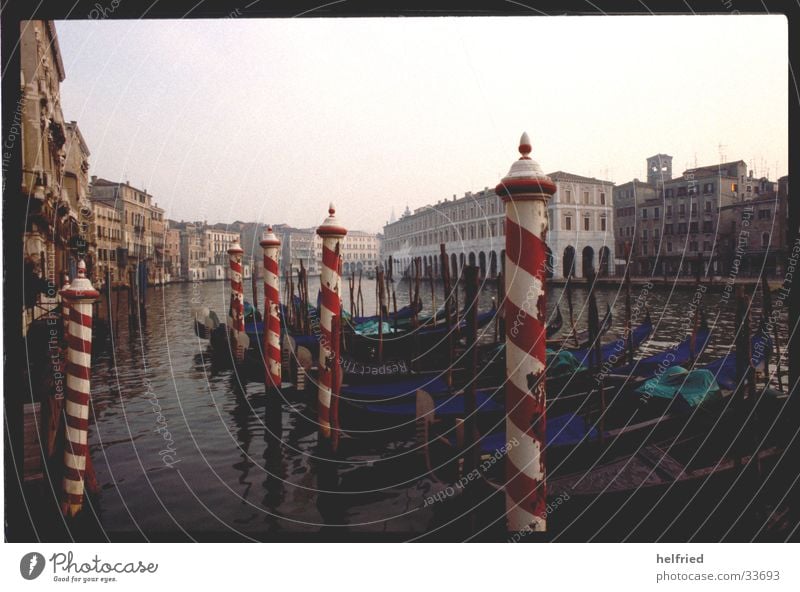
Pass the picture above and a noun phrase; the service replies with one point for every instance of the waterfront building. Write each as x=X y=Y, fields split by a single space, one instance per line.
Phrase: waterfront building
x=142 y=226
x=108 y=230
x=581 y=220
x=301 y=244
x=58 y=227
x=172 y=253
x=192 y=252
x=217 y=239
x=670 y=221
x=360 y=252
x=472 y=228
x=754 y=233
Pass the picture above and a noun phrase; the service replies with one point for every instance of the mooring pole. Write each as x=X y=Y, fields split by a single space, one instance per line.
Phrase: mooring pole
x=336 y=366
x=447 y=319
x=526 y=191
x=236 y=331
x=471 y=448
x=271 y=245
x=628 y=336
x=80 y=296
x=767 y=314
x=332 y=234
x=595 y=355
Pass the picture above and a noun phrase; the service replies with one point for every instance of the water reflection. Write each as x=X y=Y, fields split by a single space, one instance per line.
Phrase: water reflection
x=250 y=464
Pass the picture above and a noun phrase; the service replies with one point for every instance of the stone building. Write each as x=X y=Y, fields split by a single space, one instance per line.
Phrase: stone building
x=626 y=198
x=172 y=253
x=108 y=231
x=754 y=233
x=300 y=244
x=669 y=220
x=142 y=226
x=581 y=221
x=472 y=228
x=217 y=239
x=54 y=157
x=193 y=255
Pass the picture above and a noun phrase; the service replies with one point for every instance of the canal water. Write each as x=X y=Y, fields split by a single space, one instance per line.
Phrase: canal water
x=183 y=450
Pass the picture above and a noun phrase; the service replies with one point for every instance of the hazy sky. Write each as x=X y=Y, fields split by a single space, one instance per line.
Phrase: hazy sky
x=269 y=120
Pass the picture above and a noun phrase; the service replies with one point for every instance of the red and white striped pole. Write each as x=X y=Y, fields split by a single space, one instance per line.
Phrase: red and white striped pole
x=272 y=320
x=525 y=191
x=65 y=307
x=330 y=282
x=79 y=298
x=236 y=313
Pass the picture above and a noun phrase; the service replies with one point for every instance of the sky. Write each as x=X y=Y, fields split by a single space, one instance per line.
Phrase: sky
x=269 y=120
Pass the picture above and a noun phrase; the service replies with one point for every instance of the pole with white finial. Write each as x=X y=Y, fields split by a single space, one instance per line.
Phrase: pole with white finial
x=79 y=297
x=332 y=234
x=525 y=190
x=237 y=335
x=272 y=321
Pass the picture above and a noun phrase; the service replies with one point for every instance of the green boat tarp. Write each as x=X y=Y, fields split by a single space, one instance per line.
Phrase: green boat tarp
x=693 y=388
x=561 y=363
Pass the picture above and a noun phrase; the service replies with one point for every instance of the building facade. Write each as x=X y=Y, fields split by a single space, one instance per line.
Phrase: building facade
x=54 y=184
x=670 y=222
x=108 y=230
x=172 y=253
x=142 y=226
x=581 y=221
x=472 y=228
x=754 y=234
x=217 y=239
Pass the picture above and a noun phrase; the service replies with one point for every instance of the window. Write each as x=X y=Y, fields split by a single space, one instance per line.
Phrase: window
x=656 y=213
x=644 y=248
x=603 y=224
x=655 y=233
x=602 y=199
x=708 y=206
x=682 y=210
x=644 y=213
x=669 y=247
x=708 y=188
x=667 y=229
x=693 y=227
x=764 y=214
x=586 y=222
x=669 y=211
x=734 y=187
x=693 y=246
x=765 y=239
x=692 y=188
x=682 y=228
x=681 y=191
x=706 y=245
x=708 y=227
x=644 y=233
x=694 y=208
x=568 y=222
x=586 y=197
x=568 y=196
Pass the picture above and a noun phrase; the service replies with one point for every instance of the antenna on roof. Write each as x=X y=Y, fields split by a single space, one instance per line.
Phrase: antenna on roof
x=721 y=147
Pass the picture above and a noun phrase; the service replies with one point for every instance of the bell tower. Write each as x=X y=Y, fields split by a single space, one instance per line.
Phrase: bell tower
x=659 y=169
